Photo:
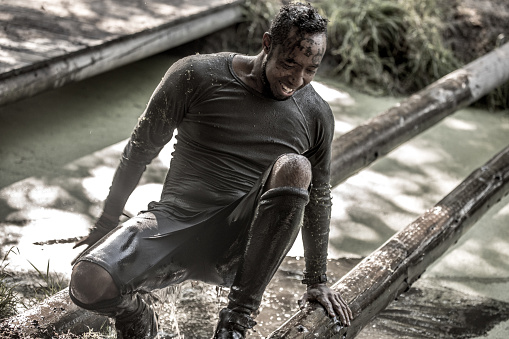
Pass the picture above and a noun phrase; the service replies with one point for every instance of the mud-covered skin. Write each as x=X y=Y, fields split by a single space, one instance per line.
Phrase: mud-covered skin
x=291 y=65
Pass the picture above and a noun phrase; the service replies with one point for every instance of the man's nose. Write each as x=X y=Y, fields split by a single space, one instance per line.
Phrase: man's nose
x=297 y=78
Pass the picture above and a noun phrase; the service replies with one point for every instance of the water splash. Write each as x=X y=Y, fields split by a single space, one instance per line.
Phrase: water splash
x=164 y=301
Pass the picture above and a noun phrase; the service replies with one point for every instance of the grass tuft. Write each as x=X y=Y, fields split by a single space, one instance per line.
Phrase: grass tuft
x=9 y=299
x=387 y=46
x=50 y=285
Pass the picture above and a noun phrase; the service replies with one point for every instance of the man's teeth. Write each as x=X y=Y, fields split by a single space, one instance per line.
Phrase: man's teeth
x=287 y=89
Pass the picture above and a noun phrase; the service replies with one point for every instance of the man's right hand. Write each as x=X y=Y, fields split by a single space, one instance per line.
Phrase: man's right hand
x=102 y=227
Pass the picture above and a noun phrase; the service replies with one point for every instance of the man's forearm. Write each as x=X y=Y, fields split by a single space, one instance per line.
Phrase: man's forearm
x=315 y=236
x=125 y=180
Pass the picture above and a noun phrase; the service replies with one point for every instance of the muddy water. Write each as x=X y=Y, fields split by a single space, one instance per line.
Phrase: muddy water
x=59 y=151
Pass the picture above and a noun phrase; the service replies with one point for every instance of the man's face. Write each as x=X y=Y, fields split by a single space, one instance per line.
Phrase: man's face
x=293 y=64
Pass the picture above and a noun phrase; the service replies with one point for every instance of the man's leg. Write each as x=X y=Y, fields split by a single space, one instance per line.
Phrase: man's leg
x=90 y=283
x=93 y=288
x=106 y=278
x=271 y=234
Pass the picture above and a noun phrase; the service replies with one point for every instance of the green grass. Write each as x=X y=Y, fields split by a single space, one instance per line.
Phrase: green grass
x=51 y=283
x=387 y=46
x=9 y=299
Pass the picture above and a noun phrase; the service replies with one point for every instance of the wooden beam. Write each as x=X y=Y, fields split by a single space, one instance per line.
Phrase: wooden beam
x=390 y=270
x=56 y=314
x=378 y=136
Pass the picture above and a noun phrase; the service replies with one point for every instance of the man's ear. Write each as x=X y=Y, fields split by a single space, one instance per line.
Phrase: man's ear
x=266 y=42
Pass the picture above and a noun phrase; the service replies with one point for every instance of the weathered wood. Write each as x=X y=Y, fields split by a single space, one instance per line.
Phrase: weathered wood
x=87 y=23
x=57 y=314
x=368 y=142
x=380 y=135
x=392 y=268
x=57 y=49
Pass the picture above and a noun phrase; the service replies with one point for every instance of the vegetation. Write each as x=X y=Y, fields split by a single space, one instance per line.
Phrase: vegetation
x=11 y=299
x=388 y=46
x=50 y=285
x=8 y=296
x=382 y=47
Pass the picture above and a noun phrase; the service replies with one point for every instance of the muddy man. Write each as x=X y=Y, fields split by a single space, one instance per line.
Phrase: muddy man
x=251 y=166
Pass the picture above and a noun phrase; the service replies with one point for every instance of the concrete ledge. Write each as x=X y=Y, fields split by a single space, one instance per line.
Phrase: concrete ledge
x=91 y=61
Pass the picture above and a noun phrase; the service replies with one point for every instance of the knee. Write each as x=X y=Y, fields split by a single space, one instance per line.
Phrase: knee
x=291 y=170
x=90 y=283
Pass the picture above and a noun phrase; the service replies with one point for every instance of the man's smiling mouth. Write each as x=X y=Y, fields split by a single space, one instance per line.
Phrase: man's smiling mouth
x=287 y=90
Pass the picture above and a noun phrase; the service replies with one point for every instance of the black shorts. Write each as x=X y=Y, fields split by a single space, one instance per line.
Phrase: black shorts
x=149 y=251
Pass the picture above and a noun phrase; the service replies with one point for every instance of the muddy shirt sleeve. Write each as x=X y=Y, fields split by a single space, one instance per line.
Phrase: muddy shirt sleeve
x=165 y=109
x=315 y=230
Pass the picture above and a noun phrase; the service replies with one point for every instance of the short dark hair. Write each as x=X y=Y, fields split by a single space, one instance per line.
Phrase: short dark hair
x=302 y=16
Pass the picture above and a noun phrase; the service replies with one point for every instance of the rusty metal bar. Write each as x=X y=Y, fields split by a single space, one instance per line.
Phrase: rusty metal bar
x=390 y=270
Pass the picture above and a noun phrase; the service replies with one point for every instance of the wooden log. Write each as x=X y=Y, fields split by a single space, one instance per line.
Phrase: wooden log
x=360 y=147
x=390 y=270
x=57 y=314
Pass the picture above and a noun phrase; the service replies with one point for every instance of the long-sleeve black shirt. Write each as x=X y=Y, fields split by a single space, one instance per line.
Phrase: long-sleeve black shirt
x=228 y=134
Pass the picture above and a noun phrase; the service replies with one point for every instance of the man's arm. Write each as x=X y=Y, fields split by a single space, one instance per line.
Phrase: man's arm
x=315 y=229
x=315 y=236
x=125 y=180
x=154 y=129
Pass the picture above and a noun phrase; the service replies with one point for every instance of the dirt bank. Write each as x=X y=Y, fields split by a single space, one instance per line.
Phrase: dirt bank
x=477 y=27
x=474 y=29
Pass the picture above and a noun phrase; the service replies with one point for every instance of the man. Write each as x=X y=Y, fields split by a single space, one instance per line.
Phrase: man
x=251 y=164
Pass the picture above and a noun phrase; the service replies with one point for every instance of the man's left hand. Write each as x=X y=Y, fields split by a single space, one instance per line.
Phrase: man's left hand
x=330 y=300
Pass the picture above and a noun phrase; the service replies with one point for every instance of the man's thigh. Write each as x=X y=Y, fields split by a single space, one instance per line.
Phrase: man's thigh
x=145 y=254
x=139 y=260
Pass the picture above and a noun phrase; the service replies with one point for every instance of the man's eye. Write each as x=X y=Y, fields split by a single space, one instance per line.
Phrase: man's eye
x=287 y=66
